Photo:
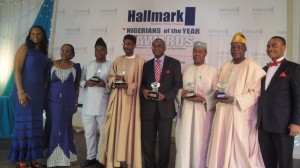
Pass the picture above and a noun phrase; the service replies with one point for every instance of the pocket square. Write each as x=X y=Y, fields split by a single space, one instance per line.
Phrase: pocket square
x=168 y=71
x=282 y=74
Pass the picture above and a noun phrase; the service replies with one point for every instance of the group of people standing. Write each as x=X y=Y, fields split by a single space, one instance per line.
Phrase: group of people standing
x=239 y=116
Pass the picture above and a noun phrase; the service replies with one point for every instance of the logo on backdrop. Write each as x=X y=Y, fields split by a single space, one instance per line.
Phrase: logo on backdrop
x=281 y=32
x=229 y=11
x=81 y=12
x=253 y=31
x=113 y=11
x=186 y=17
x=176 y=27
x=263 y=11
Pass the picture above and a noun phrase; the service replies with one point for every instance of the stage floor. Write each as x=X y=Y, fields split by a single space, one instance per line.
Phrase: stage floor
x=81 y=153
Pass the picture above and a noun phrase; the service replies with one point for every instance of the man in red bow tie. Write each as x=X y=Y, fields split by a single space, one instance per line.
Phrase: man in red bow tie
x=279 y=107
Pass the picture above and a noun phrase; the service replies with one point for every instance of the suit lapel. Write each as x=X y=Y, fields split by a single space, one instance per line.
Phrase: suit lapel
x=279 y=70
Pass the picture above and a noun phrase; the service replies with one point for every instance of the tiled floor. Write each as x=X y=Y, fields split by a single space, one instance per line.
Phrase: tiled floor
x=81 y=153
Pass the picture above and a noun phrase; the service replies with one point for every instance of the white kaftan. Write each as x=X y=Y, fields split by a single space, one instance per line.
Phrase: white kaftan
x=195 y=119
x=234 y=137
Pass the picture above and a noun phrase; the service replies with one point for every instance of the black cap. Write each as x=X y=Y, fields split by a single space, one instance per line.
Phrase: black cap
x=101 y=42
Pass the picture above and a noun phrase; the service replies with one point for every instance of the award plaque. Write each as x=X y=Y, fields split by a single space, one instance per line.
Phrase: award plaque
x=121 y=81
x=190 y=87
x=221 y=87
x=96 y=78
x=153 y=93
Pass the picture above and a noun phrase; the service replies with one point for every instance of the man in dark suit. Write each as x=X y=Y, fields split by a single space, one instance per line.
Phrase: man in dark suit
x=157 y=113
x=279 y=107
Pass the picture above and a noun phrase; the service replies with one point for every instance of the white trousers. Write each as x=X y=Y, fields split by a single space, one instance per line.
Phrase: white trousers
x=90 y=125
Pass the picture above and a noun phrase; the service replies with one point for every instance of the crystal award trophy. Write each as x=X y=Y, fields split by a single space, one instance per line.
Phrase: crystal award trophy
x=153 y=94
x=120 y=72
x=190 y=87
x=96 y=78
x=221 y=87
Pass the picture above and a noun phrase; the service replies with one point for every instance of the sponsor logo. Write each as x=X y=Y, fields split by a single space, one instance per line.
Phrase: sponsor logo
x=186 y=17
x=229 y=11
x=99 y=30
x=253 y=31
x=218 y=31
x=263 y=11
x=81 y=12
x=109 y=11
x=72 y=30
x=281 y=32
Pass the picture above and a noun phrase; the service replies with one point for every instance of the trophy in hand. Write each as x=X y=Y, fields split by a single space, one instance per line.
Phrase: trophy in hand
x=96 y=78
x=120 y=72
x=190 y=87
x=153 y=94
x=221 y=88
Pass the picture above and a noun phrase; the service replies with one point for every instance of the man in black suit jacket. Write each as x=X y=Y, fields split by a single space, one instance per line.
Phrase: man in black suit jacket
x=279 y=107
x=157 y=114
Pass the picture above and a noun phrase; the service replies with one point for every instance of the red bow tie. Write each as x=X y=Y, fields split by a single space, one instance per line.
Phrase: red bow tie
x=274 y=63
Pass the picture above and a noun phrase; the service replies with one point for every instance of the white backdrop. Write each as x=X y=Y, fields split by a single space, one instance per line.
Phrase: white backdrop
x=80 y=23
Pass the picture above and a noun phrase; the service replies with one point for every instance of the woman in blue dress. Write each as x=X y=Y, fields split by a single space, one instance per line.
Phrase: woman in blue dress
x=30 y=73
x=62 y=98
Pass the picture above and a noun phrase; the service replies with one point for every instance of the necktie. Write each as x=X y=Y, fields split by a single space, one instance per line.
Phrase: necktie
x=274 y=63
x=157 y=71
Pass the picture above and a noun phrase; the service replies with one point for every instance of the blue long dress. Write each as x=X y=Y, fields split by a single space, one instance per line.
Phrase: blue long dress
x=61 y=97
x=28 y=139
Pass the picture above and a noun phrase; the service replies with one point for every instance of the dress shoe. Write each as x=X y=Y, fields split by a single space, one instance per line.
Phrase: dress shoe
x=87 y=163
x=34 y=164
x=21 y=165
x=99 y=165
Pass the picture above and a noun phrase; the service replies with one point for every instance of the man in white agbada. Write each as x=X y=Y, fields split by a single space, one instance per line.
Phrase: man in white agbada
x=96 y=94
x=234 y=136
x=195 y=118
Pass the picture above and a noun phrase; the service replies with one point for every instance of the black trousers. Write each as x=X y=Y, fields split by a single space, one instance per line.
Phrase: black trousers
x=276 y=149
x=150 y=129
